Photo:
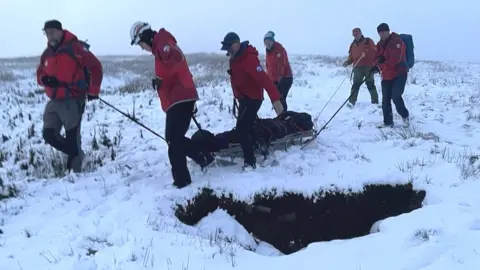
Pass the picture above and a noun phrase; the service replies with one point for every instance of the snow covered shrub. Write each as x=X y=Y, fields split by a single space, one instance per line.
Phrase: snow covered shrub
x=136 y=85
x=7 y=76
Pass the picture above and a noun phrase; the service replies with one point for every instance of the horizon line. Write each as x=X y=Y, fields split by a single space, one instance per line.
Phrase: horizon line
x=222 y=54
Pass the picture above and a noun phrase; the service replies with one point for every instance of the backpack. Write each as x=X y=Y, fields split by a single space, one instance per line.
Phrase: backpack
x=410 y=56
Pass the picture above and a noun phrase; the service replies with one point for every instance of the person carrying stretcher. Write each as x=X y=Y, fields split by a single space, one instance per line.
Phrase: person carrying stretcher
x=248 y=79
x=176 y=89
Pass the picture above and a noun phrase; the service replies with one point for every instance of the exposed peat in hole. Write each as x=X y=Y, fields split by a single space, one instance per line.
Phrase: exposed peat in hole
x=291 y=221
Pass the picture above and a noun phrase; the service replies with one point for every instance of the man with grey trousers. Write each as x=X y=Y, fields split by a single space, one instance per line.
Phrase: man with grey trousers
x=70 y=74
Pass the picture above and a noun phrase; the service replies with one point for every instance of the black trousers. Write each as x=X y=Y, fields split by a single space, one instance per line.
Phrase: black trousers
x=283 y=87
x=179 y=146
x=247 y=114
x=392 y=90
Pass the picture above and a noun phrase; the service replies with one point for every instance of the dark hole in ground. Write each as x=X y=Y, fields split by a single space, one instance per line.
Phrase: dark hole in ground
x=291 y=221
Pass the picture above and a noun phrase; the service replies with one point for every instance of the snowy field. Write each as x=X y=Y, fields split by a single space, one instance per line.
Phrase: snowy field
x=119 y=214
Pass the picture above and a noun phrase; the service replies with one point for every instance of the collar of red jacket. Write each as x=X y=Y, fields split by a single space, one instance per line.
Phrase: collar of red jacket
x=272 y=48
x=392 y=35
x=243 y=51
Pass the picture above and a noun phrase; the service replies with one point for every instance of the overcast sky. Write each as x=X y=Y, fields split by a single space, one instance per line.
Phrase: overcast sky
x=442 y=30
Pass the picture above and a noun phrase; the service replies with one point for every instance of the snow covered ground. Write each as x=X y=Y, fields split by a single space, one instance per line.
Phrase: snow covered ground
x=119 y=215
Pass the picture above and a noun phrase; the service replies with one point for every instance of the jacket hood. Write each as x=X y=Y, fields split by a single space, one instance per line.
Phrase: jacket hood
x=69 y=36
x=163 y=34
x=245 y=49
x=162 y=37
x=250 y=49
x=394 y=35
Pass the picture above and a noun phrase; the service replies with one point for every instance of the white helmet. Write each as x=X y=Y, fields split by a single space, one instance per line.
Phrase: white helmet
x=136 y=30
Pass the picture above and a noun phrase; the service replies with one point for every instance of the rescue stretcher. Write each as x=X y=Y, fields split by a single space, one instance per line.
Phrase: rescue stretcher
x=270 y=134
x=234 y=150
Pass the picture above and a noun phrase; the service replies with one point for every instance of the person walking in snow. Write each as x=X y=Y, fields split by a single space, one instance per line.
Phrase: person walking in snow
x=362 y=54
x=392 y=63
x=70 y=74
x=177 y=92
x=248 y=79
x=278 y=66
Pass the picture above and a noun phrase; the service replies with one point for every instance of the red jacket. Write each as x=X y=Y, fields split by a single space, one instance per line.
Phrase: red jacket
x=277 y=63
x=67 y=63
x=364 y=45
x=248 y=78
x=394 y=51
x=172 y=68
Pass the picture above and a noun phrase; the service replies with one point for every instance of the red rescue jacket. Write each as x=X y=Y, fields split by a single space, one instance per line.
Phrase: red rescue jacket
x=66 y=62
x=277 y=63
x=172 y=68
x=248 y=79
x=394 y=51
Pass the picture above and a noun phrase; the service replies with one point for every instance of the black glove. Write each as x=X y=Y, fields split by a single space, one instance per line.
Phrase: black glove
x=375 y=69
x=50 y=81
x=91 y=97
x=229 y=72
x=156 y=83
x=381 y=59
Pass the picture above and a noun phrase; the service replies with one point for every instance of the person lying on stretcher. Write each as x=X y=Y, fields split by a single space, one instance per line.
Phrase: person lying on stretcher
x=265 y=130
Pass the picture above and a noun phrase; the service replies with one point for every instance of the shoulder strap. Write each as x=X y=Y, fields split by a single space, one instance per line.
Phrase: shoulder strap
x=70 y=51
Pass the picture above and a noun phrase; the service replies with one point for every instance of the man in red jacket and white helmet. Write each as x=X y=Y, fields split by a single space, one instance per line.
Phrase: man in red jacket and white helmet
x=177 y=92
